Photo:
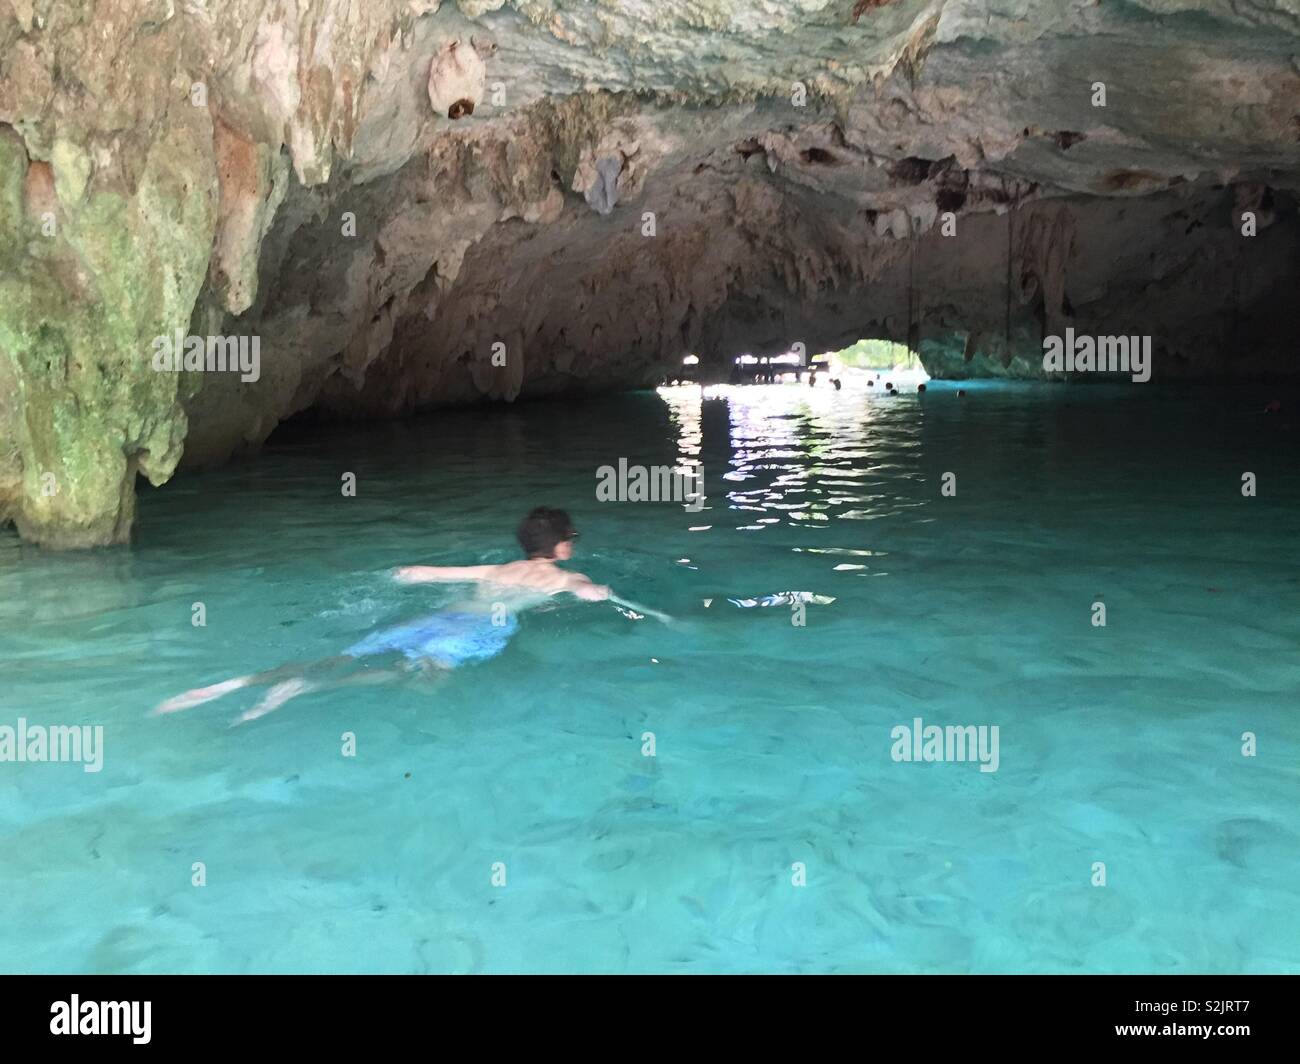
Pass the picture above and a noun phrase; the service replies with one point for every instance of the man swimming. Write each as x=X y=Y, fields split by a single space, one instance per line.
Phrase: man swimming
x=474 y=629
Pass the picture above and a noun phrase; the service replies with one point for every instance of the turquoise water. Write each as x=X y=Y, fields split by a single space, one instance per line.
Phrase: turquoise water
x=1118 y=744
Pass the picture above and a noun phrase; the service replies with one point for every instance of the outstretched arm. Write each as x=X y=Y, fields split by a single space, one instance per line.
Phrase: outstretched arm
x=441 y=574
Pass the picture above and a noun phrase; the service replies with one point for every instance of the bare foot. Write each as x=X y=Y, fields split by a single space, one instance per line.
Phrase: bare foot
x=200 y=695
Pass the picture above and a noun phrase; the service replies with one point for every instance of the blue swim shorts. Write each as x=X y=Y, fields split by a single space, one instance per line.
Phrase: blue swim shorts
x=451 y=638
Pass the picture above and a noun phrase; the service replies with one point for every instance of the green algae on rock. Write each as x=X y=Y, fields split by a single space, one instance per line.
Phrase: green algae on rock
x=385 y=193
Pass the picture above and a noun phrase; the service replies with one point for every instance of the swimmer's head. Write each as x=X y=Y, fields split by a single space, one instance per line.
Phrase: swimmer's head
x=547 y=533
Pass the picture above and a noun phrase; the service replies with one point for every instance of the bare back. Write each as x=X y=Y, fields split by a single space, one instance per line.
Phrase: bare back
x=522 y=585
x=517 y=585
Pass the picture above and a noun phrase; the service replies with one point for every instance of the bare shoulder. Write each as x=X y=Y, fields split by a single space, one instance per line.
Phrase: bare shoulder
x=507 y=569
x=523 y=574
x=585 y=588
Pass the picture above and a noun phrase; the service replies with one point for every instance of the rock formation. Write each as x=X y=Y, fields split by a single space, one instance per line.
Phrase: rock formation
x=412 y=203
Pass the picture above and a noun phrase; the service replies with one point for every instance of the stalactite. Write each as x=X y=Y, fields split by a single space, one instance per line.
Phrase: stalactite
x=912 y=329
x=1011 y=221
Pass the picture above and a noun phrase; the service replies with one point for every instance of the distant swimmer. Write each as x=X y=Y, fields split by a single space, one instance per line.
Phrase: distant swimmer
x=474 y=629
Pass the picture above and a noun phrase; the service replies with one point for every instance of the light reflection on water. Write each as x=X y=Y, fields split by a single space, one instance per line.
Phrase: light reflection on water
x=1119 y=744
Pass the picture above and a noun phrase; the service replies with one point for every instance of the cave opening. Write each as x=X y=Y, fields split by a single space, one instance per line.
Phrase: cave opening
x=863 y=364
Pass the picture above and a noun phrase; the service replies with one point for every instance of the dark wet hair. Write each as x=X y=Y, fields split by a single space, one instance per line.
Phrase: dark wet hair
x=544 y=529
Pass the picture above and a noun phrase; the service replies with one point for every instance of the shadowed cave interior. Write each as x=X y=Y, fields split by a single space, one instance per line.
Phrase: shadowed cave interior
x=415 y=205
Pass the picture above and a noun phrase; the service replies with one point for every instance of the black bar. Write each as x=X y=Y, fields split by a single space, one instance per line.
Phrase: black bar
x=340 y=1014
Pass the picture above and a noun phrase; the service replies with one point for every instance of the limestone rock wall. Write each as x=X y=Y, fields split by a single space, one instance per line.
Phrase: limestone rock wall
x=410 y=203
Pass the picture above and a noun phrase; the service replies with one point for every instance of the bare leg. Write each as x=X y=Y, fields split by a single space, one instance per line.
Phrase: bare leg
x=201 y=695
x=283 y=692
